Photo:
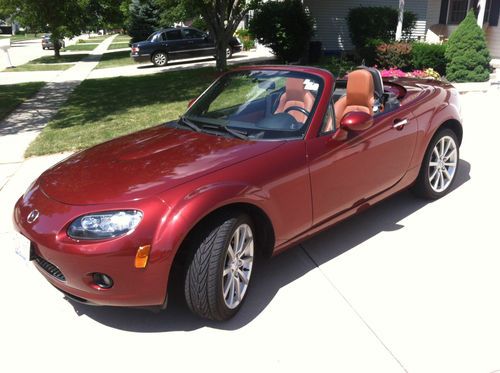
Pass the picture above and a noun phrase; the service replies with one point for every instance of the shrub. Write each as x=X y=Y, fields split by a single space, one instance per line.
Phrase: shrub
x=246 y=39
x=284 y=26
x=142 y=20
x=429 y=55
x=366 y=23
x=396 y=54
x=394 y=72
x=338 y=66
x=467 y=53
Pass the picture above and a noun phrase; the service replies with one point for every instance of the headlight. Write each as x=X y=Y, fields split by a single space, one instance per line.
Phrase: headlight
x=104 y=225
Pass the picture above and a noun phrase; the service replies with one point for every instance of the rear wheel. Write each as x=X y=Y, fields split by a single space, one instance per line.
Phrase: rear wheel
x=229 y=53
x=218 y=275
x=439 y=168
x=159 y=59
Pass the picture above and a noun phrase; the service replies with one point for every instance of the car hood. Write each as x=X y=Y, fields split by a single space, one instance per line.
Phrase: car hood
x=144 y=164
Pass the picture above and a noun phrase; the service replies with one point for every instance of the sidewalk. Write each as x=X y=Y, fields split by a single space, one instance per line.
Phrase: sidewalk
x=21 y=127
x=187 y=64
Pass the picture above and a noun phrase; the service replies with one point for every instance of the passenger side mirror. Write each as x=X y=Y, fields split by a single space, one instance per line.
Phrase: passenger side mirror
x=356 y=121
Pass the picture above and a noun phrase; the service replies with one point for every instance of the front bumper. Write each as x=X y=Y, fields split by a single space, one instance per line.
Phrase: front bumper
x=237 y=48
x=76 y=261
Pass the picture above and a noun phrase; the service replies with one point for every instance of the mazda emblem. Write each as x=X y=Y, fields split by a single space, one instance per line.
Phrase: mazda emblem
x=33 y=215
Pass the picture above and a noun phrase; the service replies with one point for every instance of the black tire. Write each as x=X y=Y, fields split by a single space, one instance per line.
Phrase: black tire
x=422 y=187
x=203 y=285
x=159 y=59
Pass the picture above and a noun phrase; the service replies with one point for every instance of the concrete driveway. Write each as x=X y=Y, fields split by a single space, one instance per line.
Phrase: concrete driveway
x=406 y=286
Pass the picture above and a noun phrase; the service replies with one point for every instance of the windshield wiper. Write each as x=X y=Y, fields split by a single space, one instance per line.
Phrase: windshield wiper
x=186 y=122
x=236 y=133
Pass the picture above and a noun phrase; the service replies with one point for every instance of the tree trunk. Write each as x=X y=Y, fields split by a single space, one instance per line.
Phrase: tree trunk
x=57 y=49
x=221 y=63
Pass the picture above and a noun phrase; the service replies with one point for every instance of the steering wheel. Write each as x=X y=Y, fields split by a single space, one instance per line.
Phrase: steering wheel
x=299 y=109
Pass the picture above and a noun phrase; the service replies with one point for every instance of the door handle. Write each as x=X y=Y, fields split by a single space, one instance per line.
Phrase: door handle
x=400 y=123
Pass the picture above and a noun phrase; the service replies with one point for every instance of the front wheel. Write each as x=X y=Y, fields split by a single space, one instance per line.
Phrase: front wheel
x=439 y=167
x=229 y=53
x=159 y=59
x=218 y=275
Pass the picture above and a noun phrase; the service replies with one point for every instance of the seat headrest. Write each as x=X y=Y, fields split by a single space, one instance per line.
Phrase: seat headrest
x=378 y=83
x=360 y=89
x=295 y=89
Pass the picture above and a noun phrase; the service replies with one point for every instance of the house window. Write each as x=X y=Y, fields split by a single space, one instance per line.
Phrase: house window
x=457 y=11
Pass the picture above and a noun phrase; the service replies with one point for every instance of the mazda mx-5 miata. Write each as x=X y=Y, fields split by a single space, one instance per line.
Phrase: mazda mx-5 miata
x=266 y=157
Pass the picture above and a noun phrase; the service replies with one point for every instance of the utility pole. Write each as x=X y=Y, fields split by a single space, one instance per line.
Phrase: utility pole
x=401 y=12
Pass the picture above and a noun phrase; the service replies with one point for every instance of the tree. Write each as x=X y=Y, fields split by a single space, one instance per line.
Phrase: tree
x=467 y=54
x=285 y=27
x=62 y=18
x=142 y=20
x=104 y=14
x=221 y=17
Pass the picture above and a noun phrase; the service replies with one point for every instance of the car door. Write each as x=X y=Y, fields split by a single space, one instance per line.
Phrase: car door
x=198 y=43
x=175 y=44
x=349 y=168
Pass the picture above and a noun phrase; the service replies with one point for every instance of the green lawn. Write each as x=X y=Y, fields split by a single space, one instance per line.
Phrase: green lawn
x=102 y=109
x=81 y=47
x=122 y=39
x=91 y=40
x=62 y=58
x=50 y=63
x=40 y=67
x=13 y=95
x=22 y=37
x=118 y=46
x=115 y=59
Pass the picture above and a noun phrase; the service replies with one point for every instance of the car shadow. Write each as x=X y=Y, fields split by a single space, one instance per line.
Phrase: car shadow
x=267 y=280
x=198 y=62
x=177 y=63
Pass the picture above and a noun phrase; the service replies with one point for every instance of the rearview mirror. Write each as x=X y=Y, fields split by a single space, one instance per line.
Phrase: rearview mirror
x=356 y=121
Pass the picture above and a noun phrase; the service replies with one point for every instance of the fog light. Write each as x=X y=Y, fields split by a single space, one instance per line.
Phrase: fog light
x=102 y=280
x=142 y=256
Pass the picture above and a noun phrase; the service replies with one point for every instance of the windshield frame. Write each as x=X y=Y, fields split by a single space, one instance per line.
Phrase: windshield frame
x=293 y=73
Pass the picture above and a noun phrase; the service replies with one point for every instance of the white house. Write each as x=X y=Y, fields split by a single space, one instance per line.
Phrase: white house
x=436 y=19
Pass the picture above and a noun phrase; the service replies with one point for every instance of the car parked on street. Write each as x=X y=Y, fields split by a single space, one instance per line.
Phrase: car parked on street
x=265 y=158
x=47 y=42
x=178 y=43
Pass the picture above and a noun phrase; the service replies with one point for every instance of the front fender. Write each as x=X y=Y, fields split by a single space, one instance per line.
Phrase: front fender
x=189 y=210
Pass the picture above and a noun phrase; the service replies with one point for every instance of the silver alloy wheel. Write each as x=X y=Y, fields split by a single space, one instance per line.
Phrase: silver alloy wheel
x=228 y=52
x=443 y=164
x=160 y=59
x=237 y=266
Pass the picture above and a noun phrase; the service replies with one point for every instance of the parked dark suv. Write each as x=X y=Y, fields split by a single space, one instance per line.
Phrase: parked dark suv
x=178 y=43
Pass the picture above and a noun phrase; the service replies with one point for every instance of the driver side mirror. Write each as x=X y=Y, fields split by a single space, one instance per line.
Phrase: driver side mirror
x=356 y=121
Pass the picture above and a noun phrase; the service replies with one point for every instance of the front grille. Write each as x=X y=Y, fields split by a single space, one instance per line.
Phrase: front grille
x=49 y=268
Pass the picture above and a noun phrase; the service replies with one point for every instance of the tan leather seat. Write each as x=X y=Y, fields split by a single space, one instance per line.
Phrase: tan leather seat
x=359 y=96
x=295 y=95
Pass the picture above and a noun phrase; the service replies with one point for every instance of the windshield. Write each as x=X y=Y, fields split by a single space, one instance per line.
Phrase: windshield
x=261 y=104
x=152 y=37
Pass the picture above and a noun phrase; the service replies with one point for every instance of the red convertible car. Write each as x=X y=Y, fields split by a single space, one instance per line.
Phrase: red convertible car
x=266 y=157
